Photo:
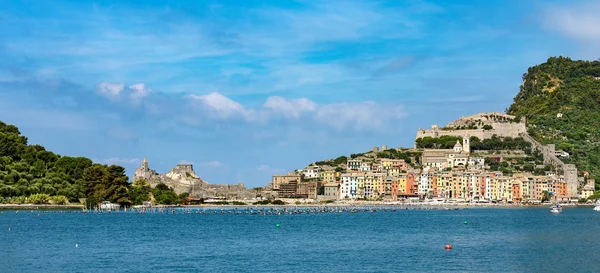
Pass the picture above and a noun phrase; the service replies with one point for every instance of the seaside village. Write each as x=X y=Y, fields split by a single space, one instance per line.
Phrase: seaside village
x=493 y=160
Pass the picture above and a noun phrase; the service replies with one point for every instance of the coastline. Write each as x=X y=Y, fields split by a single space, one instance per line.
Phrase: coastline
x=311 y=205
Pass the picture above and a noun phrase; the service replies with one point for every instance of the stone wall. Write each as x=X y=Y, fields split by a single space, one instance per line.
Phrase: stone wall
x=569 y=170
x=501 y=129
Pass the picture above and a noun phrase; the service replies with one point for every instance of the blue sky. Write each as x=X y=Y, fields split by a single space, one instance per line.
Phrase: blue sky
x=248 y=89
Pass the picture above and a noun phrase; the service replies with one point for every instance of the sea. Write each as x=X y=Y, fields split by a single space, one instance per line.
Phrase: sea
x=482 y=240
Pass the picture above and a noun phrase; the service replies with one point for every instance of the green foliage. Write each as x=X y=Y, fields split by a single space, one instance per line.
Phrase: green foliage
x=487 y=127
x=278 y=202
x=356 y=155
x=570 y=88
x=30 y=170
x=443 y=142
x=342 y=160
x=59 y=200
x=39 y=198
x=139 y=192
x=262 y=202
x=498 y=143
x=545 y=196
x=165 y=195
x=395 y=154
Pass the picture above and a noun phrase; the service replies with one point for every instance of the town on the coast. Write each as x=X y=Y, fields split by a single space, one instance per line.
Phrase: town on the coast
x=482 y=158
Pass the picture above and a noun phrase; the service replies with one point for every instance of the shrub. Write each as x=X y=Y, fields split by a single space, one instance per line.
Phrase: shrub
x=278 y=202
x=59 y=200
x=39 y=198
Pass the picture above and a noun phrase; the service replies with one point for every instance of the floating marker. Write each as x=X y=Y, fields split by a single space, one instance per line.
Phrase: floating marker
x=76 y=245
x=466 y=222
x=277 y=225
x=448 y=246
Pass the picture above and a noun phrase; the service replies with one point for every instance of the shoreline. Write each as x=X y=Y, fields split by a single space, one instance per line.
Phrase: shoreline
x=358 y=204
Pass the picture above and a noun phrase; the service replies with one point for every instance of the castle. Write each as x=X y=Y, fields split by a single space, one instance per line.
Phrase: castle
x=182 y=179
x=482 y=126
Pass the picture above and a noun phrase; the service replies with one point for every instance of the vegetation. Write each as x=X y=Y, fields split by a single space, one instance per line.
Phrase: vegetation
x=396 y=154
x=31 y=174
x=443 y=142
x=494 y=143
x=266 y=202
x=561 y=101
x=500 y=143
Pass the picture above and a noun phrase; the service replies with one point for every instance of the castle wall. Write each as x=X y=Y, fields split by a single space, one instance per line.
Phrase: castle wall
x=182 y=179
x=569 y=170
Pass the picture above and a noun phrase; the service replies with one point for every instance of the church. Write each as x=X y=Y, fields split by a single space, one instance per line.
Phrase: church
x=457 y=157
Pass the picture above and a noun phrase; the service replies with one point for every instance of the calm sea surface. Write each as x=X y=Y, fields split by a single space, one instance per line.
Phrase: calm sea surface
x=494 y=240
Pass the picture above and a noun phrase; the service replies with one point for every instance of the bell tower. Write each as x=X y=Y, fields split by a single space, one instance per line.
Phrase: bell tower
x=467 y=144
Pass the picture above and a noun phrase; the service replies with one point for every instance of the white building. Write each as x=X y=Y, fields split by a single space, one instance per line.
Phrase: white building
x=354 y=164
x=477 y=162
x=312 y=171
x=349 y=186
x=425 y=184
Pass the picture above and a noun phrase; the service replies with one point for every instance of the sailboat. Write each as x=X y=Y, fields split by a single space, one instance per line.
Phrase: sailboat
x=597 y=207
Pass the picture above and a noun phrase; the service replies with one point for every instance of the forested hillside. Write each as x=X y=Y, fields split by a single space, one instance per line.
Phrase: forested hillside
x=561 y=101
x=31 y=174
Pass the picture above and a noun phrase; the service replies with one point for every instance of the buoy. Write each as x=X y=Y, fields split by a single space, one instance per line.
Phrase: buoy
x=448 y=246
x=466 y=222
x=76 y=245
x=277 y=225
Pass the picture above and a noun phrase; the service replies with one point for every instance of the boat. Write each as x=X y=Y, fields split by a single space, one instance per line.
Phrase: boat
x=597 y=207
x=556 y=208
x=106 y=205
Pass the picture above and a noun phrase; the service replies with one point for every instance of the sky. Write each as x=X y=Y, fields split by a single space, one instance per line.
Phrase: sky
x=248 y=89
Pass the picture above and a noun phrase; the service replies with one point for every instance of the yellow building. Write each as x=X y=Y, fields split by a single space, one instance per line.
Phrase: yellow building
x=330 y=176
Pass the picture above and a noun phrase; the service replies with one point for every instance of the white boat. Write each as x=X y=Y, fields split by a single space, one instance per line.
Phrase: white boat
x=597 y=207
x=106 y=205
x=556 y=208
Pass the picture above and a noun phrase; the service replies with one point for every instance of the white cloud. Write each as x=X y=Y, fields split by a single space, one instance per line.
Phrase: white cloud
x=220 y=106
x=576 y=21
x=138 y=91
x=268 y=169
x=358 y=116
x=120 y=161
x=290 y=108
x=110 y=90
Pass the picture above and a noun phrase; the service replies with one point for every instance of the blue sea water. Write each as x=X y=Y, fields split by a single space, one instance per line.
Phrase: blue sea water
x=494 y=240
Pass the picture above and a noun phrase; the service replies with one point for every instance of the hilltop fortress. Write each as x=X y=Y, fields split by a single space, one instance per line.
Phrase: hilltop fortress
x=482 y=125
x=486 y=125
x=182 y=179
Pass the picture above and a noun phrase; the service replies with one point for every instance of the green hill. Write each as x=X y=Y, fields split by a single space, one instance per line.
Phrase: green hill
x=31 y=174
x=561 y=101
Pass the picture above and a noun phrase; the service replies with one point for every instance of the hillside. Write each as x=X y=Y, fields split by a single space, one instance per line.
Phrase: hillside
x=561 y=101
x=31 y=174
